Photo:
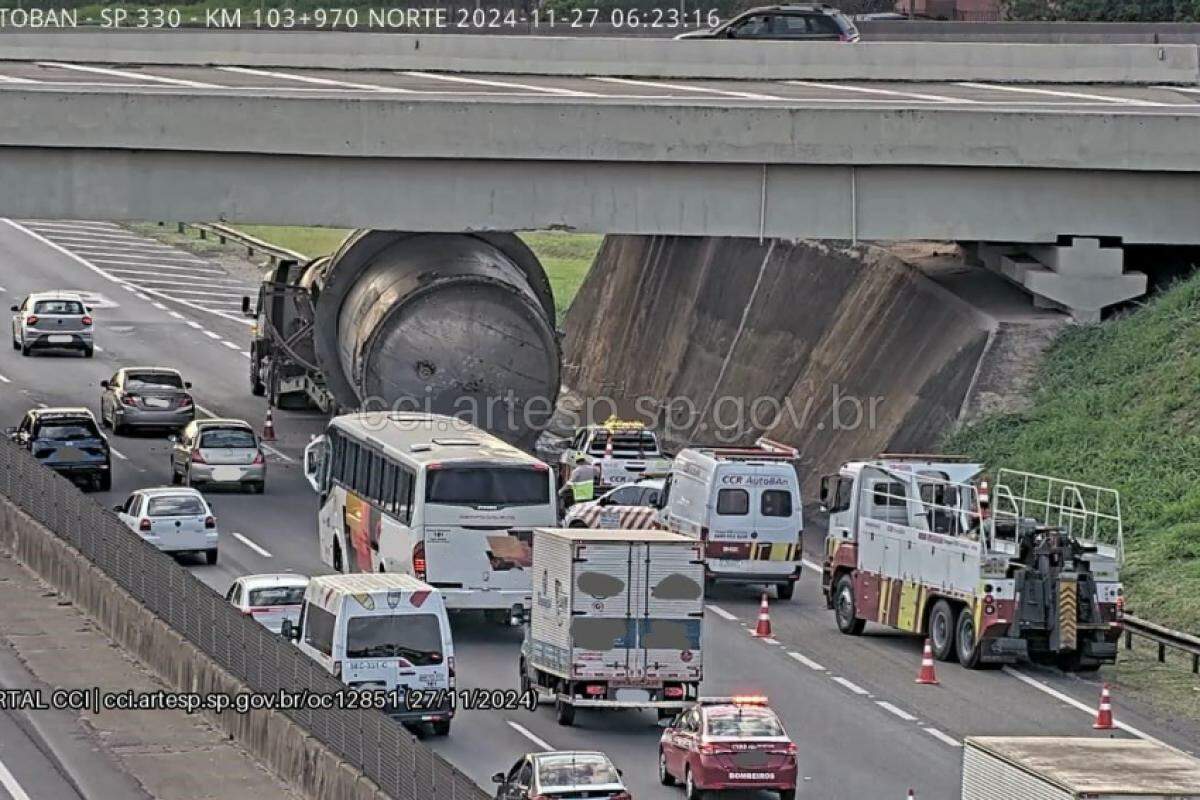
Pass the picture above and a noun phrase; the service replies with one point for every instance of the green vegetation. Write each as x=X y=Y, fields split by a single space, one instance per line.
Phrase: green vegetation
x=566 y=256
x=1118 y=404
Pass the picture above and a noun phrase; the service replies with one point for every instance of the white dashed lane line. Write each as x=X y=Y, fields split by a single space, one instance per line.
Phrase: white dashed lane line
x=211 y=335
x=120 y=73
x=231 y=345
x=251 y=545
x=528 y=734
x=14 y=789
x=1071 y=701
x=899 y=712
x=806 y=661
x=118 y=453
x=849 y=684
x=676 y=87
x=941 y=737
x=722 y=613
x=193 y=324
x=4 y=379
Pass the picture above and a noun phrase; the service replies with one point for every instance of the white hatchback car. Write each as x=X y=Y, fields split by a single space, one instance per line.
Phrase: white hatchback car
x=173 y=519
x=270 y=599
x=52 y=320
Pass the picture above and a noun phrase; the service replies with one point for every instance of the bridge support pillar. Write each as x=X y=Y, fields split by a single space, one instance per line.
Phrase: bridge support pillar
x=1080 y=277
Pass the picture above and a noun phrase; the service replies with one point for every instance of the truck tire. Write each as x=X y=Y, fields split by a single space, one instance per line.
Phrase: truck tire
x=787 y=794
x=441 y=728
x=564 y=713
x=664 y=775
x=523 y=679
x=1074 y=662
x=845 y=608
x=210 y=556
x=104 y=481
x=256 y=385
x=785 y=590
x=942 y=630
x=965 y=644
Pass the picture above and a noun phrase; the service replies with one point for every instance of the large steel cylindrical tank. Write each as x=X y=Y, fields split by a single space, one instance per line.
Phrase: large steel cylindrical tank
x=453 y=323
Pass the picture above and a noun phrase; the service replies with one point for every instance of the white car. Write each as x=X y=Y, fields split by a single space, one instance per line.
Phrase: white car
x=270 y=599
x=173 y=519
x=52 y=320
x=633 y=506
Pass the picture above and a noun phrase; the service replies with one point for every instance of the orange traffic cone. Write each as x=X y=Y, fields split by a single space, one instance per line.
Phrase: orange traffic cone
x=763 y=629
x=926 y=674
x=1104 y=717
x=268 y=431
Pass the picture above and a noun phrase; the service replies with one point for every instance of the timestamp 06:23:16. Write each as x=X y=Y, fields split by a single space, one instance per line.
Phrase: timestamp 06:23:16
x=663 y=18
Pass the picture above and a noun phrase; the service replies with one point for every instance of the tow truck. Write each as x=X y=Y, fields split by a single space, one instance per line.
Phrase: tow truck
x=1028 y=571
x=624 y=451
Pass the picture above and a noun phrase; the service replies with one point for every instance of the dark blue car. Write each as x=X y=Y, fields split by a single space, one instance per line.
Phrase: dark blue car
x=68 y=441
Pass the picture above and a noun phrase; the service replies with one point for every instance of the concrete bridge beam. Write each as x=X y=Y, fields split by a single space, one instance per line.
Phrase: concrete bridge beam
x=1080 y=277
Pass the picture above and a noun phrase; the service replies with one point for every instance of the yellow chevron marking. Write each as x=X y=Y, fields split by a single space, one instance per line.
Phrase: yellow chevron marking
x=1068 y=607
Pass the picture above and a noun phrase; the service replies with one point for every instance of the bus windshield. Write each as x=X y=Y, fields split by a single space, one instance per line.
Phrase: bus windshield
x=487 y=486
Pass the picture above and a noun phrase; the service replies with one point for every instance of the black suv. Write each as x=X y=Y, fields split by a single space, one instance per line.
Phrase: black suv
x=68 y=441
x=813 y=22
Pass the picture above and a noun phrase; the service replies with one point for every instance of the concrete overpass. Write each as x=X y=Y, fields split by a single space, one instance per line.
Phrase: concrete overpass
x=210 y=126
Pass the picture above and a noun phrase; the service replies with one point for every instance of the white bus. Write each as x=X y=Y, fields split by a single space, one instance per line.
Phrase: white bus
x=433 y=497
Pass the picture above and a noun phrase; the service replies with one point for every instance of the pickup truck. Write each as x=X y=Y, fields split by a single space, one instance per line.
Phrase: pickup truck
x=624 y=452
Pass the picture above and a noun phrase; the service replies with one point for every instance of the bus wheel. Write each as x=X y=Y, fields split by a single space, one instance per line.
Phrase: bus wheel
x=844 y=608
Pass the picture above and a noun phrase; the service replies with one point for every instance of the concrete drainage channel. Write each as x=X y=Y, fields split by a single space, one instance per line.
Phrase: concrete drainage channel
x=196 y=642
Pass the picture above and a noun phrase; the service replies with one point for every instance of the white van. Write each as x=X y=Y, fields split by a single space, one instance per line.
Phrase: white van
x=385 y=632
x=744 y=504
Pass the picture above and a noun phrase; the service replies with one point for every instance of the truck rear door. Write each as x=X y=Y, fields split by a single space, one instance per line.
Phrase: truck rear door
x=603 y=605
x=670 y=600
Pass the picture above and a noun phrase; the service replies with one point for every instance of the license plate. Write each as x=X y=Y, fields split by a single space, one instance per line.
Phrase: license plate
x=58 y=338
x=157 y=402
x=752 y=776
x=633 y=695
x=226 y=473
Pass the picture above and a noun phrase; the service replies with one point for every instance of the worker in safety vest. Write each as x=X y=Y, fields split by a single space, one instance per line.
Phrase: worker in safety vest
x=582 y=483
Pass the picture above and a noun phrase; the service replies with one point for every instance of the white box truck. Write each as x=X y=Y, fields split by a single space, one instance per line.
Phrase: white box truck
x=1063 y=768
x=616 y=620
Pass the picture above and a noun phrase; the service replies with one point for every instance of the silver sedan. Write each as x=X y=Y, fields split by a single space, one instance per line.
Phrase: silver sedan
x=146 y=397
x=219 y=451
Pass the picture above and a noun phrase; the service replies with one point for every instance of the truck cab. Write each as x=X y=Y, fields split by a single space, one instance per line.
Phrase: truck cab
x=624 y=451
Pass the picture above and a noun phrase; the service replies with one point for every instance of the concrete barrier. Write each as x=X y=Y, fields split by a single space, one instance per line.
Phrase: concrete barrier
x=272 y=737
x=631 y=57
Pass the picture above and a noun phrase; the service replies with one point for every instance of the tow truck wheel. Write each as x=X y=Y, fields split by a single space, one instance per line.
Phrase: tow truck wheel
x=1074 y=662
x=523 y=680
x=844 y=608
x=787 y=794
x=968 y=648
x=941 y=631
x=441 y=728
x=690 y=790
x=664 y=775
x=785 y=590
x=564 y=713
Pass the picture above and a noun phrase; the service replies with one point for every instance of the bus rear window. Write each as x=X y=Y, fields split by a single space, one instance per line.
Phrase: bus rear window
x=487 y=486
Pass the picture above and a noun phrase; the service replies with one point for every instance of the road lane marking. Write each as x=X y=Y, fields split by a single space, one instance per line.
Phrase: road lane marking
x=288 y=76
x=941 y=737
x=159 y=306
x=498 y=84
x=246 y=353
x=42 y=405
x=899 y=712
x=1104 y=98
x=806 y=661
x=9 y=782
x=812 y=565
x=119 y=281
x=211 y=335
x=204 y=410
x=251 y=545
x=722 y=613
x=176 y=314
x=1071 y=701
x=769 y=640
x=4 y=379
x=277 y=453
x=157 y=258
x=98 y=348
x=118 y=453
x=852 y=686
x=193 y=324
x=937 y=98
x=120 y=73
x=679 y=87
x=162 y=280
x=106 y=239
x=230 y=345
x=11 y=79
x=528 y=734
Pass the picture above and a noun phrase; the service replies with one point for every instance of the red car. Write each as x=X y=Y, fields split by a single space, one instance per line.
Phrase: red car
x=728 y=743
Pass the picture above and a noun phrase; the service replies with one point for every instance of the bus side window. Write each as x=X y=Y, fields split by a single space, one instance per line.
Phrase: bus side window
x=404 y=492
x=387 y=496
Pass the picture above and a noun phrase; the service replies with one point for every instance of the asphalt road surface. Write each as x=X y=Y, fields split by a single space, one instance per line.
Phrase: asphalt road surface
x=409 y=85
x=863 y=727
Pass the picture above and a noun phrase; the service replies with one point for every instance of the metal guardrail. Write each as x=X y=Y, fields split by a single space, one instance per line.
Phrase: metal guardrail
x=404 y=768
x=253 y=244
x=1163 y=637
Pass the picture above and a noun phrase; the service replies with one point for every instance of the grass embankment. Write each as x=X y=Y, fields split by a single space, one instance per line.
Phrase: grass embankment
x=1118 y=404
x=566 y=256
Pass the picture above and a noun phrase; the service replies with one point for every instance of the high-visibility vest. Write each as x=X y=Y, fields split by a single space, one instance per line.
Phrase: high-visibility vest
x=583 y=488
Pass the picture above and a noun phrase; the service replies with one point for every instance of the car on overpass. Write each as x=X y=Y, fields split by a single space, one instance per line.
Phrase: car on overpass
x=806 y=22
x=68 y=441
x=173 y=519
x=52 y=320
x=269 y=599
x=146 y=397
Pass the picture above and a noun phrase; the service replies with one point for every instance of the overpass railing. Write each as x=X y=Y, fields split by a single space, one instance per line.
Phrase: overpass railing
x=404 y=768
